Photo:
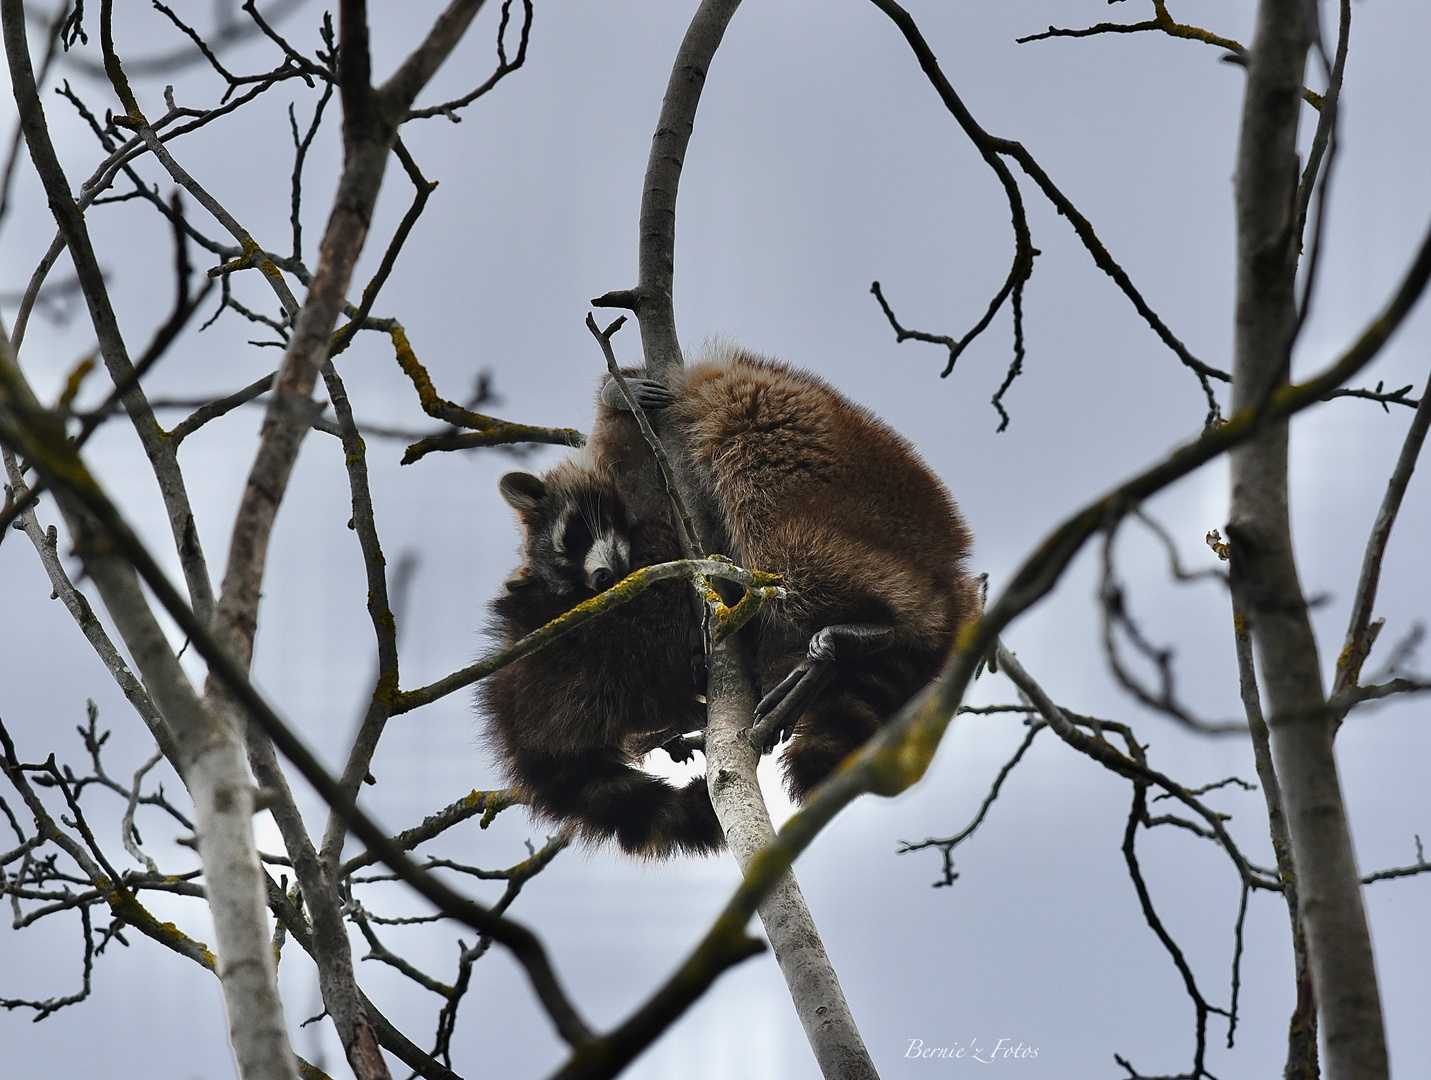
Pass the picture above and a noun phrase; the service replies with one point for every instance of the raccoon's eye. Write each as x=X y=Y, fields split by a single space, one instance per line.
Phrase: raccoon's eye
x=577 y=537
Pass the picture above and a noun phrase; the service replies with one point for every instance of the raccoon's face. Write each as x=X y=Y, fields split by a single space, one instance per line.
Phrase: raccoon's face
x=576 y=534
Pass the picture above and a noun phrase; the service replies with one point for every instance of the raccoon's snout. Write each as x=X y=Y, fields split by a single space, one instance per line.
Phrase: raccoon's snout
x=606 y=562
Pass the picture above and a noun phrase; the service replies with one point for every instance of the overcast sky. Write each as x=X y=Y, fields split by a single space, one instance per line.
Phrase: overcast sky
x=821 y=160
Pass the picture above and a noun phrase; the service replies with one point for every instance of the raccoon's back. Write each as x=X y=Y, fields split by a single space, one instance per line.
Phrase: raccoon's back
x=819 y=489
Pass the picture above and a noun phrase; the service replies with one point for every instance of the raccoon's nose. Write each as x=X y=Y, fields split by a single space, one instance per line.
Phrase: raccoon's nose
x=602 y=579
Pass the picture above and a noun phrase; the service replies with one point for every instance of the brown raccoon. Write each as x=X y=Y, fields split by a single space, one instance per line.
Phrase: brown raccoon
x=791 y=478
x=806 y=484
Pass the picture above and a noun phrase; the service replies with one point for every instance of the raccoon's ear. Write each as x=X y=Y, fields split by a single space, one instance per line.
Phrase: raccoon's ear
x=519 y=579
x=523 y=492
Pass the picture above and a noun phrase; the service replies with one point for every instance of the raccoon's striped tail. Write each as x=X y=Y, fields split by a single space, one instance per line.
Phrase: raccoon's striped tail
x=609 y=798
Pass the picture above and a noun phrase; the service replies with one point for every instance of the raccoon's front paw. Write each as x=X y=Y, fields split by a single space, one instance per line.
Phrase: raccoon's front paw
x=649 y=394
x=679 y=750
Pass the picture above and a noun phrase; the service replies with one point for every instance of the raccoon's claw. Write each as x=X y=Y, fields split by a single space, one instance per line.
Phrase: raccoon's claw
x=845 y=640
x=780 y=710
x=678 y=749
x=772 y=700
x=649 y=394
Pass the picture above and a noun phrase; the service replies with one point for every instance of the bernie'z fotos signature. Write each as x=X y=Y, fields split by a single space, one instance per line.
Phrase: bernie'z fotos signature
x=1003 y=1050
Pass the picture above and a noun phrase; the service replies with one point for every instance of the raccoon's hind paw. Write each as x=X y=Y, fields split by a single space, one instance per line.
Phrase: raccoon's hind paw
x=779 y=710
x=649 y=394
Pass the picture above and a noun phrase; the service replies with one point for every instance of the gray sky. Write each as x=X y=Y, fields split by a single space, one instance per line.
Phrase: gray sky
x=821 y=160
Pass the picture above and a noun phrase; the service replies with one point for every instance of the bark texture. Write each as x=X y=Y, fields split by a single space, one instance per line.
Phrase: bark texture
x=814 y=987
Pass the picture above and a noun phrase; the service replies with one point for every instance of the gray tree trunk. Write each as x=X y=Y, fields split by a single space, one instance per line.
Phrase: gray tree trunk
x=1264 y=570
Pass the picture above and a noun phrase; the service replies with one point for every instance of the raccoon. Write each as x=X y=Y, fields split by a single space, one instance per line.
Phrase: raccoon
x=789 y=477
x=804 y=483
x=571 y=720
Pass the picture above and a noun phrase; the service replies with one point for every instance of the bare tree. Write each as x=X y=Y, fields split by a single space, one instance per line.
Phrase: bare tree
x=236 y=755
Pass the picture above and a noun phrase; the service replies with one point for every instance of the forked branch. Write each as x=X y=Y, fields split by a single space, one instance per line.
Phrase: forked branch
x=991 y=148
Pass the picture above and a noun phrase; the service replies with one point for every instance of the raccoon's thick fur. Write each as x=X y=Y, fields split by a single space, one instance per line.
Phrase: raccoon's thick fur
x=568 y=719
x=790 y=477
x=806 y=484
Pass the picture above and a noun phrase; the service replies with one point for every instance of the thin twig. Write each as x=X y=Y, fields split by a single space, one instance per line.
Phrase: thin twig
x=422 y=188
x=947 y=845
x=53 y=39
x=385 y=688
x=46 y=543
x=1145 y=900
x=106 y=325
x=990 y=147
x=1357 y=644
x=486 y=430
x=693 y=546
x=1117 y=617
x=1420 y=866
x=487 y=803
x=504 y=67
x=215 y=409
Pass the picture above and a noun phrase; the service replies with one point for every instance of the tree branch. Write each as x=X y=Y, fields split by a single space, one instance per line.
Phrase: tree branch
x=1358 y=641
x=630 y=587
x=486 y=430
x=487 y=803
x=504 y=67
x=947 y=845
x=212 y=762
x=46 y=544
x=369 y=129
x=1264 y=570
x=106 y=326
x=113 y=554
x=1302 y=1029
x=385 y=689
x=990 y=147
